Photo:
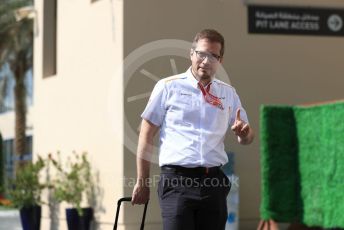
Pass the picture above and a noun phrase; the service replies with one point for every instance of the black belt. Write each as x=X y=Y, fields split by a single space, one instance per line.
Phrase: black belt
x=196 y=170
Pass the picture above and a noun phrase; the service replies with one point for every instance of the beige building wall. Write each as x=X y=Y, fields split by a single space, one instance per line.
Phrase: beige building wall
x=90 y=105
x=74 y=109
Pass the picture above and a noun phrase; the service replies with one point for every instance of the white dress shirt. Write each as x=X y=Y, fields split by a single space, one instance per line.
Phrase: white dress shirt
x=192 y=131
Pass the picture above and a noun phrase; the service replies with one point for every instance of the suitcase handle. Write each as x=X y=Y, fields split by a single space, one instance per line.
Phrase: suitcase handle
x=128 y=199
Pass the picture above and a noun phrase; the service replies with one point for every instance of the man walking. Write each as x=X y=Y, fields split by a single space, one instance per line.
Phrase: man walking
x=193 y=111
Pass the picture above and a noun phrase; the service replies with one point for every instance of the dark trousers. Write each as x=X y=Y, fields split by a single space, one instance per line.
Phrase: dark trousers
x=193 y=201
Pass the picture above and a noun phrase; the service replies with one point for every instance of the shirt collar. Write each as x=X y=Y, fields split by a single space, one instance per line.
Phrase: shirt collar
x=191 y=78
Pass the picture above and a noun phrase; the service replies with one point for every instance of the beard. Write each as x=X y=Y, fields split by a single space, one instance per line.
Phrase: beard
x=204 y=74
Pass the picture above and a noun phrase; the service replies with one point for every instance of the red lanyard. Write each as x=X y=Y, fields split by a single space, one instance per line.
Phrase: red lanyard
x=208 y=97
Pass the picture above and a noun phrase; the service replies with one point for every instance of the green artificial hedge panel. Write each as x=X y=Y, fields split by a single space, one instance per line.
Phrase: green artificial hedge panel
x=280 y=177
x=302 y=164
x=320 y=131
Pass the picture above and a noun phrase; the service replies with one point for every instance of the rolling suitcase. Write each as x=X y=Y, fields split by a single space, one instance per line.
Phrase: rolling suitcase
x=128 y=199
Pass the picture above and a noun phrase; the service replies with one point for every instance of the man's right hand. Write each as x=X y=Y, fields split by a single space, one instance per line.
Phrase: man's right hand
x=144 y=151
x=140 y=194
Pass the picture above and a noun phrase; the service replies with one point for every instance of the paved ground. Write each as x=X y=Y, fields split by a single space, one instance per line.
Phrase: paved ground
x=10 y=220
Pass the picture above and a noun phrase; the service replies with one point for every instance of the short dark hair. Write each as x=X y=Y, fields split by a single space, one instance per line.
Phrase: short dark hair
x=213 y=36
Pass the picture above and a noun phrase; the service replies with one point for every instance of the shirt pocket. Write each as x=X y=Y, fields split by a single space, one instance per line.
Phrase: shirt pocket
x=184 y=98
x=184 y=103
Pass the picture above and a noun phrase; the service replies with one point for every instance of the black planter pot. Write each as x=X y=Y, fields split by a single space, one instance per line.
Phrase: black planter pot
x=76 y=222
x=31 y=217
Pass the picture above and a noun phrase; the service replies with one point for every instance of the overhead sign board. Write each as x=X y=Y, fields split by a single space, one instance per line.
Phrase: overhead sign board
x=295 y=20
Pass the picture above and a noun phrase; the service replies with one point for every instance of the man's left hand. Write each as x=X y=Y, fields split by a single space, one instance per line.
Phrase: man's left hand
x=240 y=128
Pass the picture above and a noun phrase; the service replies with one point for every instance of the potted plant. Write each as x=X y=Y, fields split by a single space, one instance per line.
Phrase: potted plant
x=25 y=194
x=74 y=184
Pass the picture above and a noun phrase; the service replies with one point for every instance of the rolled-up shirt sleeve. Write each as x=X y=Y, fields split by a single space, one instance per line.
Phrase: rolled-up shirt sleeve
x=155 y=109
